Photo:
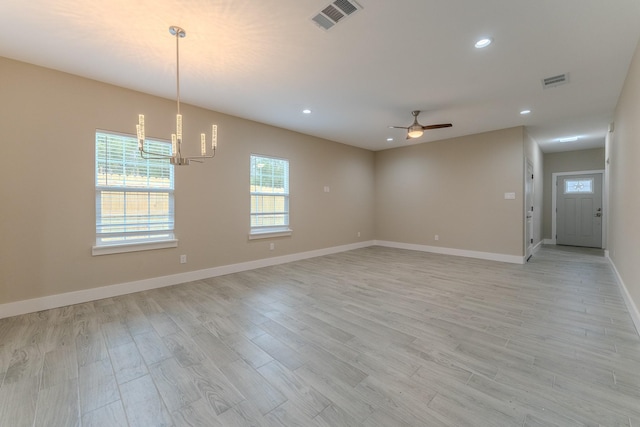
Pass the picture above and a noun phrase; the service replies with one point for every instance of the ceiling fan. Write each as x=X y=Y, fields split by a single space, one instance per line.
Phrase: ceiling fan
x=416 y=129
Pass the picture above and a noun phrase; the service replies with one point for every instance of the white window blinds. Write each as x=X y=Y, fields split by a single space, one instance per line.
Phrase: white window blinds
x=134 y=196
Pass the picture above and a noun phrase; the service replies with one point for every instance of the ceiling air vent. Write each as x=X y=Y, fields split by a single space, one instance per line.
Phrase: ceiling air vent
x=554 y=81
x=334 y=12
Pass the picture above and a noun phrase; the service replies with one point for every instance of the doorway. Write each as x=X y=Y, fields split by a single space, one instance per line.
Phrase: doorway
x=578 y=210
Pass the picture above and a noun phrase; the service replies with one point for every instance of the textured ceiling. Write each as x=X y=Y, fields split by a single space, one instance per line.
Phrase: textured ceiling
x=266 y=61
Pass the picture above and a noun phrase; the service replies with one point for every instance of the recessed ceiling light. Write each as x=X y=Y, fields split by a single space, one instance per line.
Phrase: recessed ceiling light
x=525 y=112
x=568 y=139
x=306 y=111
x=482 y=43
x=389 y=139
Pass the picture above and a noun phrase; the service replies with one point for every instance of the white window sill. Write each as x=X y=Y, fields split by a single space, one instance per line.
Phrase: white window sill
x=133 y=247
x=254 y=235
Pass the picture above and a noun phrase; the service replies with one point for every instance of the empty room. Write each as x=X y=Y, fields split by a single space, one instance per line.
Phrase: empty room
x=320 y=213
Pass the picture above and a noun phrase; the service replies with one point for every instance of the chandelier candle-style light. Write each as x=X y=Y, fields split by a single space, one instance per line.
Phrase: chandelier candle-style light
x=176 y=156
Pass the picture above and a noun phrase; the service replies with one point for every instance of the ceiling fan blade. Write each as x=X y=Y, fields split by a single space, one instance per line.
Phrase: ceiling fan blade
x=442 y=125
x=418 y=128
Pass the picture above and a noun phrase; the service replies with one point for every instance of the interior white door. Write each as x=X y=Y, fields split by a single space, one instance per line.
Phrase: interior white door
x=528 y=205
x=579 y=210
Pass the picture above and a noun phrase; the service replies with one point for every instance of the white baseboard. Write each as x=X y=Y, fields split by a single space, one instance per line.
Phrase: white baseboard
x=549 y=241
x=78 y=297
x=537 y=247
x=631 y=306
x=513 y=259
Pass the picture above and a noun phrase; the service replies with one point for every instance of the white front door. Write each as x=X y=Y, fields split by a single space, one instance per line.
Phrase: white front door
x=579 y=210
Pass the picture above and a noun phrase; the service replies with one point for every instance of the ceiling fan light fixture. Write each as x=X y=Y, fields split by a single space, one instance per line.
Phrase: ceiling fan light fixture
x=415 y=131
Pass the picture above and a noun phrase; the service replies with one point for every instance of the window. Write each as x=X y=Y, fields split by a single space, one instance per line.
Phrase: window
x=269 y=187
x=578 y=186
x=134 y=196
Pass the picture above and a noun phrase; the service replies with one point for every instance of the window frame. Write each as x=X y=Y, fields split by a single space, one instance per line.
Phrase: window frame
x=132 y=241
x=263 y=232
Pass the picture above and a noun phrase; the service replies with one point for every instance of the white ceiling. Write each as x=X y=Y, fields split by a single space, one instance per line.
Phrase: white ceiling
x=266 y=61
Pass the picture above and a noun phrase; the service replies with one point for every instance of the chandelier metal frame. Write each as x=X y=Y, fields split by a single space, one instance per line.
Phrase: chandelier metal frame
x=176 y=156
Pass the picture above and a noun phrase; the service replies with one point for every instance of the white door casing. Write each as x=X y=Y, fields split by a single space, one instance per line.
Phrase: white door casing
x=528 y=208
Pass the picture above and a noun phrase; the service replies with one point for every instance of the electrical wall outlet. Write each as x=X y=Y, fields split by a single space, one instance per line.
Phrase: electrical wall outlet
x=272 y=246
x=358 y=234
x=183 y=259
x=436 y=237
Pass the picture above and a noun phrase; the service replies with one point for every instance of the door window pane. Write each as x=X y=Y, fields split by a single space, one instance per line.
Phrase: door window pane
x=578 y=186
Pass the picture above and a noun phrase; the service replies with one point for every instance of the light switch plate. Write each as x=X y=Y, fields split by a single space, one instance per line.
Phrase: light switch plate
x=510 y=196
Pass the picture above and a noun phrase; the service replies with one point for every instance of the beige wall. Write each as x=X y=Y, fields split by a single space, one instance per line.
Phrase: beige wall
x=454 y=188
x=623 y=152
x=47 y=210
x=568 y=161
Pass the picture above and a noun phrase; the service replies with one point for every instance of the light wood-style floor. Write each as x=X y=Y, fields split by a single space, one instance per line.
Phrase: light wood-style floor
x=371 y=337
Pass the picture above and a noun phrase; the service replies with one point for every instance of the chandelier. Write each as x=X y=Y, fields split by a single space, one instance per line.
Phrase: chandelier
x=176 y=156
